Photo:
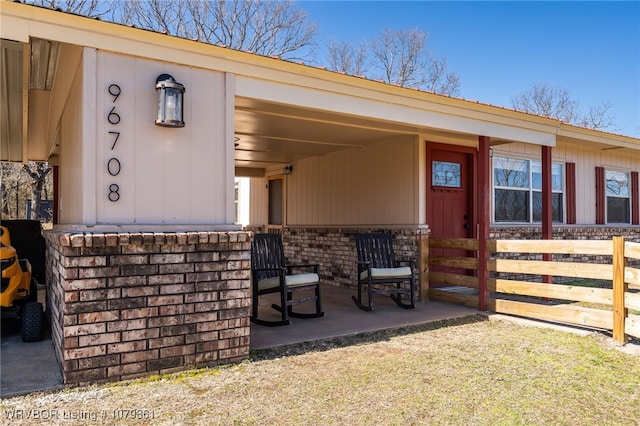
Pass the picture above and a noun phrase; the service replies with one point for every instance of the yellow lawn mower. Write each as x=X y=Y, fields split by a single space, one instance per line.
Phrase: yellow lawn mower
x=19 y=295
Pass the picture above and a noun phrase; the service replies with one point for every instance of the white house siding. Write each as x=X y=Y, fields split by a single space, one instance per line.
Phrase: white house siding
x=70 y=197
x=258 y=201
x=586 y=159
x=166 y=175
x=374 y=185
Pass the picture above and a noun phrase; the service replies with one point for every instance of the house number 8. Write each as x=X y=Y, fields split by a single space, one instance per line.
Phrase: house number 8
x=113 y=165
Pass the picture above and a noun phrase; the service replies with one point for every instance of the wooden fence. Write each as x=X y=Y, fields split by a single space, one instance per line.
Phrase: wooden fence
x=594 y=307
x=453 y=278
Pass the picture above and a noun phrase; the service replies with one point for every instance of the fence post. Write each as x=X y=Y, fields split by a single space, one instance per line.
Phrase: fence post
x=423 y=264
x=619 y=288
x=484 y=217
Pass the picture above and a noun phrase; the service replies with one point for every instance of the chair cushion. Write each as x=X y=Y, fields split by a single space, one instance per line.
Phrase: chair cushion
x=381 y=273
x=290 y=281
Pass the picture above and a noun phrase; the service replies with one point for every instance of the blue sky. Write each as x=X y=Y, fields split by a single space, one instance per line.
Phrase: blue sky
x=499 y=49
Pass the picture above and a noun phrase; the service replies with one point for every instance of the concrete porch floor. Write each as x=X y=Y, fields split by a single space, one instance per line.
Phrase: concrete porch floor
x=342 y=317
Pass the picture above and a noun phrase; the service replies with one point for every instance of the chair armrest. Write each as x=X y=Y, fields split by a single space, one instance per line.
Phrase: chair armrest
x=410 y=263
x=278 y=270
x=363 y=265
x=313 y=266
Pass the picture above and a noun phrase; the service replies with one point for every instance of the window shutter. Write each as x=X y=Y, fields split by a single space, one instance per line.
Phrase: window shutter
x=570 y=170
x=600 y=196
x=635 y=202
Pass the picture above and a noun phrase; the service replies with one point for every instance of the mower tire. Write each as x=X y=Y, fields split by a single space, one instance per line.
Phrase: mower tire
x=32 y=322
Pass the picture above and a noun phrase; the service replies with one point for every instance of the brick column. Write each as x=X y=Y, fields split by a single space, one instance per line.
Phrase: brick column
x=127 y=305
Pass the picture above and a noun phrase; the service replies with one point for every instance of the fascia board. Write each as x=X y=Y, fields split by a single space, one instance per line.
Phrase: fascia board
x=415 y=113
x=594 y=136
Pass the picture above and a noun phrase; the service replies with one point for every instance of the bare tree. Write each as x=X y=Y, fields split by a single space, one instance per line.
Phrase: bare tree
x=265 y=27
x=543 y=99
x=438 y=80
x=598 y=117
x=347 y=58
x=546 y=100
x=8 y=182
x=38 y=172
x=21 y=182
x=92 y=8
x=396 y=57
x=165 y=16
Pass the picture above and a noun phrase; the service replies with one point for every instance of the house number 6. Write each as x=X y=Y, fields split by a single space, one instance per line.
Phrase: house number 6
x=113 y=165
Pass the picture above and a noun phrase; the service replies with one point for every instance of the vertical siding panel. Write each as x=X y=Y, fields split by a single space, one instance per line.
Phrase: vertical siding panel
x=293 y=183
x=311 y=207
x=600 y=196
x=340 y=183
x=635 y=202
x=570 y=170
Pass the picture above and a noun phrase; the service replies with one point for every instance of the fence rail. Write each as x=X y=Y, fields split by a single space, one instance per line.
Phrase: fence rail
x=454 y=279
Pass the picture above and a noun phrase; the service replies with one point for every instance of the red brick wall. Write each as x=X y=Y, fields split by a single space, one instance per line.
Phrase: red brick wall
x=126 y=305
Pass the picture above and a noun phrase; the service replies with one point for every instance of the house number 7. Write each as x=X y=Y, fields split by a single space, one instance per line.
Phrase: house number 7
x=113 y=165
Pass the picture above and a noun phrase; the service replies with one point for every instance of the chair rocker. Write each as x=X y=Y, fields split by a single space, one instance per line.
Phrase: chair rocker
x=270 y=274
x=381 y=273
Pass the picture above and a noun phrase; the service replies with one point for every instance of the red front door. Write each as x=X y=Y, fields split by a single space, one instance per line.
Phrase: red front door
x=450 y=195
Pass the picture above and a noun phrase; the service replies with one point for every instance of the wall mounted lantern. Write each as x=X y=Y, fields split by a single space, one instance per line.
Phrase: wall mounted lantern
x=170 y=102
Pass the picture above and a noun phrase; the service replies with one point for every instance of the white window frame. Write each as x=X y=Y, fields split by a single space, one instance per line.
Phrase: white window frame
x=607 y=195
x=530 y=189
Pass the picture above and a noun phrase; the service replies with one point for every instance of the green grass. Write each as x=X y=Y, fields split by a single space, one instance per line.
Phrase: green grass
x=463 y=372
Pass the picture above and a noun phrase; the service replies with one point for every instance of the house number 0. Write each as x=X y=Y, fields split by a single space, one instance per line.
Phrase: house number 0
x=113 y=165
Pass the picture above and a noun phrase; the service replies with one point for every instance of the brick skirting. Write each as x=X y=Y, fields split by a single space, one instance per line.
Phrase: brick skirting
x=127 y=305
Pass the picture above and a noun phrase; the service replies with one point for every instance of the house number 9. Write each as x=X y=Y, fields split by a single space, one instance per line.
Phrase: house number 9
x=113 y=165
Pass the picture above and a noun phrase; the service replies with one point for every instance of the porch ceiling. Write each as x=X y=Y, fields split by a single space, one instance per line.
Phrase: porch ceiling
x=269 y=135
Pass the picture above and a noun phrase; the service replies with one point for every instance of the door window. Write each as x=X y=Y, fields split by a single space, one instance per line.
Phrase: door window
x=444 y=173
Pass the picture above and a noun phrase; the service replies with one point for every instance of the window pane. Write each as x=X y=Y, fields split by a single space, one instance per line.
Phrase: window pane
x=556 y=177
x=511 y=206
x=446 y=174
x=536 y=176
x=558 y=211
x=618 y=210
x=617 y=183
x=556 y=207
x=510 y=172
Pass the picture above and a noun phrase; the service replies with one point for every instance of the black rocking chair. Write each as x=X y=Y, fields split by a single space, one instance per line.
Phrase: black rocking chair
x=270 y=274
x=381 y=273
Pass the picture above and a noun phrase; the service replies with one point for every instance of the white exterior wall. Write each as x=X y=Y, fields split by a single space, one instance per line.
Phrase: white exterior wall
x=70 y=197
x=586 y=160
x=375 y=185
x=258 y=201
x=165 y=175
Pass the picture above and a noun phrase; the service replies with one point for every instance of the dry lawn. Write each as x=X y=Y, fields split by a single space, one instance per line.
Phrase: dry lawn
x=463 y=372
